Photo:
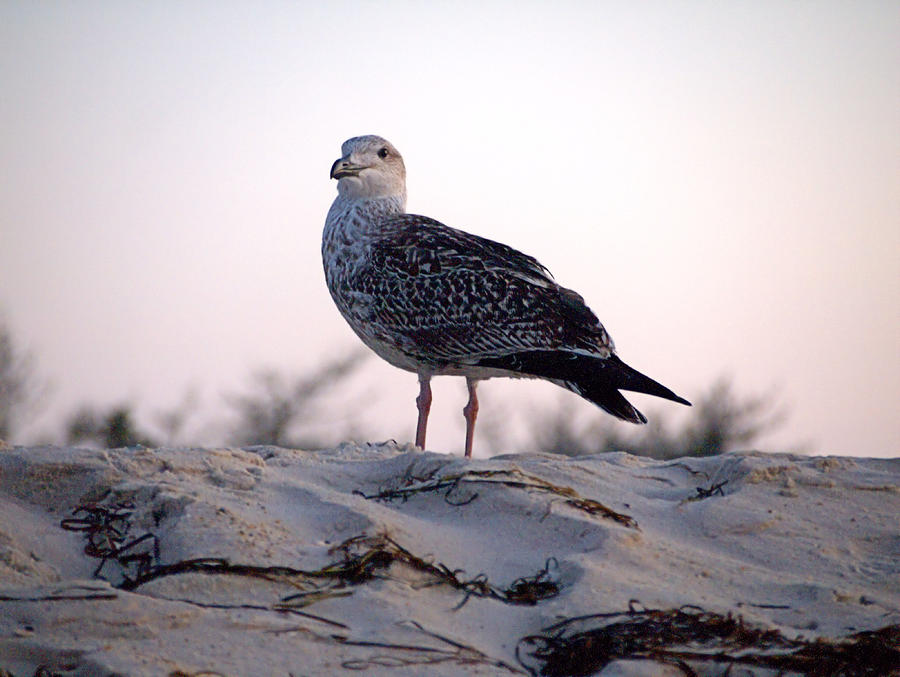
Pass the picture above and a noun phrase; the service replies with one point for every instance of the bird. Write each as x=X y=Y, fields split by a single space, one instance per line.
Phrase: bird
x=434 y=300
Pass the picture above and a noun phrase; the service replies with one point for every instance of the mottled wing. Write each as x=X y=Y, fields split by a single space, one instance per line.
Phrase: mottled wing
x=450 y=297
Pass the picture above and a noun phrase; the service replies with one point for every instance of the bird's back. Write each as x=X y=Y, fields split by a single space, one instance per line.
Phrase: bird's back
x=446 y=298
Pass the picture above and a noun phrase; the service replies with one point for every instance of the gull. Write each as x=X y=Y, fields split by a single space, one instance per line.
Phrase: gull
x=434 y=300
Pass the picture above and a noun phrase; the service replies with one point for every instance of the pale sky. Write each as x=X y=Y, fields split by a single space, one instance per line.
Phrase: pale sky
x=720 y=181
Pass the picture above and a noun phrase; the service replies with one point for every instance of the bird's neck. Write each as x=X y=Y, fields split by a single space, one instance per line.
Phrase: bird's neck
x=347 y=212
x=351 y=224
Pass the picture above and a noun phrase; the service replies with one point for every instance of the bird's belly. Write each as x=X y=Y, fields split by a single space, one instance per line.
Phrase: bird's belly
x=390 y=353
x=478 y=373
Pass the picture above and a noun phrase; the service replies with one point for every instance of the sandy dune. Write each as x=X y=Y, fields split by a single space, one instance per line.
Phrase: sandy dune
x=377 y=557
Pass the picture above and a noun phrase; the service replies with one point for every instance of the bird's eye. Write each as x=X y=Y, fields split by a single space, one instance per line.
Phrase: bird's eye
x=383 y=153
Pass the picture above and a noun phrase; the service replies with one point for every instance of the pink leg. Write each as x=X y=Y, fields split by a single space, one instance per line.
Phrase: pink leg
x=470 y=411
x=423 y=404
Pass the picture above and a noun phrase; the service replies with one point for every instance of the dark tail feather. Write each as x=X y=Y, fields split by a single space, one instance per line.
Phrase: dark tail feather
x=607 y=398
x=627 y=378
x=596 y=379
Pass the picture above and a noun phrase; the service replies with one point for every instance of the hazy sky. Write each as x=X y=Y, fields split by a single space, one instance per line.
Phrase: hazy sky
x=720 y=181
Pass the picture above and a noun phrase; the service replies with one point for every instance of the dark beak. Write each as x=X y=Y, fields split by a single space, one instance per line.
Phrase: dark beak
x=344 y=167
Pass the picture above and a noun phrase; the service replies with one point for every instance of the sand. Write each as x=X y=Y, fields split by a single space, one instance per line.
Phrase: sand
x=441 y=569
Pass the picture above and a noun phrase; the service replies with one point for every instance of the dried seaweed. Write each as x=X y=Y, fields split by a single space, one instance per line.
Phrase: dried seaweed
x=689 y=635
x=706 y=492
x=530 y=590
x=46 y=671
x=404 y=655
x=106 y=529
x=362 y=558
x=67 y=594
x=452 y=484
x=259 y=607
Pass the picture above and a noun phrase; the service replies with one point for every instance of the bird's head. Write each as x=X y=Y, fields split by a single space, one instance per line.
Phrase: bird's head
x=370 y=167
